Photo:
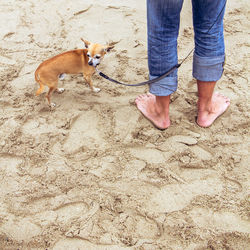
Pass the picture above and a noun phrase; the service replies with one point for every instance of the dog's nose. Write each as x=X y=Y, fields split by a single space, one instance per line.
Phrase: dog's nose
x=90 y=63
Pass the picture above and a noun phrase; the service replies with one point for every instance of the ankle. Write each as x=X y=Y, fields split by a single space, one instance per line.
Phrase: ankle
x=161 y=110
x=204 y=103
x=162 y=104
x=205 y=93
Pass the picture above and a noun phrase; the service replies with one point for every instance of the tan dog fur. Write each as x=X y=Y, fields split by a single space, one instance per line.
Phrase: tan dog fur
x=70 y=62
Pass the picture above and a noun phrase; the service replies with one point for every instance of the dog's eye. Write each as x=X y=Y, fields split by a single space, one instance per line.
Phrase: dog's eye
x=97 y=57
x=88 y=55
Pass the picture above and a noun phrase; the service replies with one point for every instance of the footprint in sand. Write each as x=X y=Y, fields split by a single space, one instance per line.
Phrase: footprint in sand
x=9 y=168
x=125 y=123
x=223 y=221
x=20 y=230
x=148 y=155
x=70 y=211
x=175 y=197
x=85 y=132
x=65 y=244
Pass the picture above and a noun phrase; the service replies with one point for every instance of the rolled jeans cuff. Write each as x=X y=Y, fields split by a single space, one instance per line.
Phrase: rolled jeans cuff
x=164 y=87
x=208 y=69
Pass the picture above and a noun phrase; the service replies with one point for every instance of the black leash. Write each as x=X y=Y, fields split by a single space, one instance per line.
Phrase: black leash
x=141 y=83
x=165 y=74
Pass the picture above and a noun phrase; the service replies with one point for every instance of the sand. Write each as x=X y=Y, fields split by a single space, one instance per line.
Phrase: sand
x=93 y=173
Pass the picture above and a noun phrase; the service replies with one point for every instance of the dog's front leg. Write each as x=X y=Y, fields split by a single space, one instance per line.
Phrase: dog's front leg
x=88 y=79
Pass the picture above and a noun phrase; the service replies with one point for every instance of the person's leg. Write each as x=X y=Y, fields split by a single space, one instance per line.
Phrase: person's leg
x=209 y=58
x=163 y=17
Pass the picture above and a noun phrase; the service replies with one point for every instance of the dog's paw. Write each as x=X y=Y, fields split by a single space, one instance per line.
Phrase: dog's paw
x=60 y=90
x=52 y=105
x=96 y=89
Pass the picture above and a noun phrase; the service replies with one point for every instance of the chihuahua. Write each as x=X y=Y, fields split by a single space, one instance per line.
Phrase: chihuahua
x=71 y=62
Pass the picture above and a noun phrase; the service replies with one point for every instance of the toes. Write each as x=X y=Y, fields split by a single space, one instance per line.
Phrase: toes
x=219 y=95
x=139 y=98
x=144 y=98
x=225 y=97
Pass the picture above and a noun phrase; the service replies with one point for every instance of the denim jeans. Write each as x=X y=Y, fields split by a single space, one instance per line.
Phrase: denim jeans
x=163 y=19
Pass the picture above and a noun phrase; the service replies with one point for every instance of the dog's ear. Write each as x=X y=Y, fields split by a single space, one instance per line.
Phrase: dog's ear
x=108 y=48
x=110 y=45
x=86 y=43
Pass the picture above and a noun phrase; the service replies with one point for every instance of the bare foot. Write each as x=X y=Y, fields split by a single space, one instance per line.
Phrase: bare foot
x=147 y=105
x=208 y=114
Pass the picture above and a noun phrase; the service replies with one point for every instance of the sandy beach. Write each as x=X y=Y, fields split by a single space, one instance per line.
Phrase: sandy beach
x=93 y=173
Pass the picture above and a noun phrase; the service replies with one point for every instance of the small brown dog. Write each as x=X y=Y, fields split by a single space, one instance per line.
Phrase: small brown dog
x=71 y=62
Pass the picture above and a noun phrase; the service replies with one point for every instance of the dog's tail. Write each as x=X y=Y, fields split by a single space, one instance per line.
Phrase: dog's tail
x=37 y=78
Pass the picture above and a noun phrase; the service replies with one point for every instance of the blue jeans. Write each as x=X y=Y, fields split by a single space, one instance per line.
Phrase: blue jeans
x=163 y=18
